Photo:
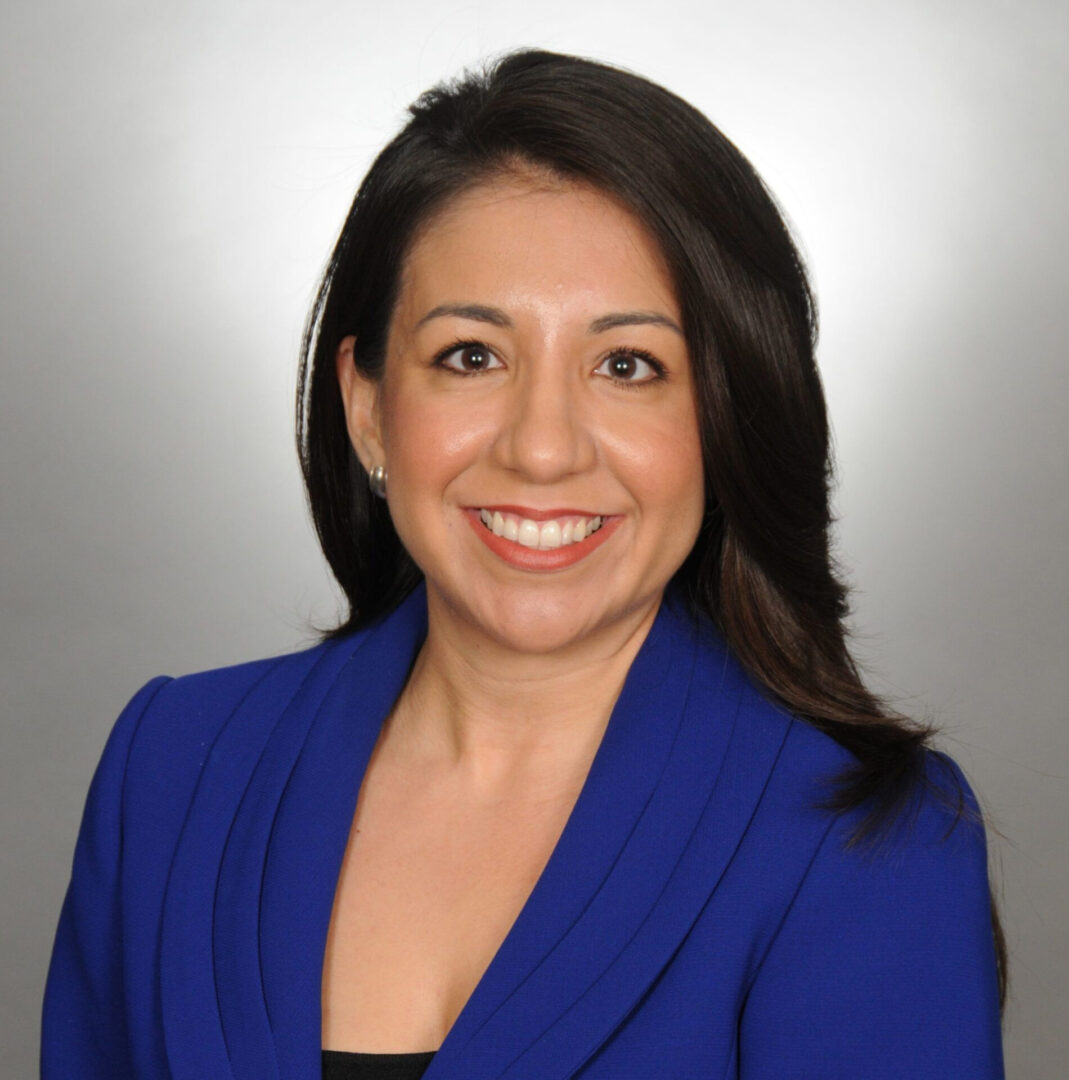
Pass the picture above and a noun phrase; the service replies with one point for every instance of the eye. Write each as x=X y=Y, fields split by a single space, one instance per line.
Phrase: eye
x=467 y=358
x=632 y=366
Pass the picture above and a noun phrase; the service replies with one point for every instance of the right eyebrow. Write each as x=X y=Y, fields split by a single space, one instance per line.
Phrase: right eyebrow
x=479 y=312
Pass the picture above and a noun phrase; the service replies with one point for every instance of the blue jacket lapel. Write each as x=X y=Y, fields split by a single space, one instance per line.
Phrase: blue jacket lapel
x=668 y=796
x=210 y=982
x=251 y=885
x=311 y=829
x=603 y=875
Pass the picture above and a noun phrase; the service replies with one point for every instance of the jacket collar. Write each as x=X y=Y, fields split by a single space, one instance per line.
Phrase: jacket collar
x=668 y=796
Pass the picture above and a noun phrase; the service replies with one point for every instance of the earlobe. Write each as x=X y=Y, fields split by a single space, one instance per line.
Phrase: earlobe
x=359 y=396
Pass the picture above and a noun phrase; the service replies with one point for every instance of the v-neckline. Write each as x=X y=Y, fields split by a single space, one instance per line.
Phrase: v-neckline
x=649 y=836
x=391 y=818
x=619 y=784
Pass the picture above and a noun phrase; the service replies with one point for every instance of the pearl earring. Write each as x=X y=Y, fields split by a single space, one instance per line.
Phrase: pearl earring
x=377 y=480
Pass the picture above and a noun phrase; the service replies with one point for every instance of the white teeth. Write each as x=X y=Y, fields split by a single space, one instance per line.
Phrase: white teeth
x=550 y=535
x=529 y=533
x=545 y=535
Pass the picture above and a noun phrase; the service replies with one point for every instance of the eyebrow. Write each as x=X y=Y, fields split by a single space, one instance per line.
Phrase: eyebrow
x=497 y=317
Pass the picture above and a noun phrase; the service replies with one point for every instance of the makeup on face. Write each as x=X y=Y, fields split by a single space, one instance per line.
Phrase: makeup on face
x=541 y=540
x=537 y=386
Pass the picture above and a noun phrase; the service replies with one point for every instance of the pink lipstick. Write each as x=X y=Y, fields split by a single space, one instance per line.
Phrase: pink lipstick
x=539 y=559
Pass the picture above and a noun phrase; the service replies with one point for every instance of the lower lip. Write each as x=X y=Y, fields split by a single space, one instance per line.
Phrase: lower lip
x=526 y=558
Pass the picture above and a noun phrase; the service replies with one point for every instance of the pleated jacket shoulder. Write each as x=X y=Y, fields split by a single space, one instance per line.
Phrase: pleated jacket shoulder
x=699 y=917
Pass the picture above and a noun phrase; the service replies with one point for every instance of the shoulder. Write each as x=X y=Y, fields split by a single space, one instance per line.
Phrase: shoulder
x=203 y=699
x=938 y=815
x=935 y=841
x=938 y=819
x=924 y=867
x=165 y=732
x=922 y=874
x=202 y=692
x=889 y=943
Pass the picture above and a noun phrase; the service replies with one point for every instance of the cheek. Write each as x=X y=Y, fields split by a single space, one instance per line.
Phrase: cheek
x=428 y=439
x=682 y=455
x=664 y=464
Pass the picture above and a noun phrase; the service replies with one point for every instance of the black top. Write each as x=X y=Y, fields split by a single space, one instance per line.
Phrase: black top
x=341 y=1065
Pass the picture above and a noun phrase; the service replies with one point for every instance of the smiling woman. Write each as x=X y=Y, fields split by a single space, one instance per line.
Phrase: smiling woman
x=554 y=421
x=586 y=782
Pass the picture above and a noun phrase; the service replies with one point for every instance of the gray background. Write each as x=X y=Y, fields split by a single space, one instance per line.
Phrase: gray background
x=172 y=177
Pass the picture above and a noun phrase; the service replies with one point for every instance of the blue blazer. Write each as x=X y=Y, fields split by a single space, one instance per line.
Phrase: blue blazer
x=698 y=918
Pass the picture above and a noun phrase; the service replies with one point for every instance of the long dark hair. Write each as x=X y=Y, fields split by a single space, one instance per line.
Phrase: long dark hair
x=762 y=568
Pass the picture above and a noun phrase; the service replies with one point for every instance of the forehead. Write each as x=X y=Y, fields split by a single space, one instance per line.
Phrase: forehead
x=519 y=240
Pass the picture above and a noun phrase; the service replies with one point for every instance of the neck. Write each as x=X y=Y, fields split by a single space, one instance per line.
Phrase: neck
x=495 y=718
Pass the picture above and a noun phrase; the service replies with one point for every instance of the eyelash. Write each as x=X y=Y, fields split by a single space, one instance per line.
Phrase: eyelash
x=660 y=372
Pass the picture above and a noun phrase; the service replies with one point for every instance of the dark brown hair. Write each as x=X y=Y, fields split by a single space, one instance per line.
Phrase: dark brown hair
x=762 y=568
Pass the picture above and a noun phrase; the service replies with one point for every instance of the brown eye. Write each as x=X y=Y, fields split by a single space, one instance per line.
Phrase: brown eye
x=468 y=359
x=632 y=366
x=624 y=366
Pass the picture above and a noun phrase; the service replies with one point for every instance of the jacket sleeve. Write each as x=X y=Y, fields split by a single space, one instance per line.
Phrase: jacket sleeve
x=884 y=966
x=83 y=1032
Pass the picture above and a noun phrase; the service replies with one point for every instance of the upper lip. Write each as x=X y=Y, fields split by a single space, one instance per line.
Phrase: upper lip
x=538 y=515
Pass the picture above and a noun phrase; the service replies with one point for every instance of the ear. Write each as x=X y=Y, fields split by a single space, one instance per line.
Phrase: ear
x=360 y=400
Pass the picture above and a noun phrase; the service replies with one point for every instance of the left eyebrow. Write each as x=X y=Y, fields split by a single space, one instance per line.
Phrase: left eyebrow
x=497 y=317
x=632 y=318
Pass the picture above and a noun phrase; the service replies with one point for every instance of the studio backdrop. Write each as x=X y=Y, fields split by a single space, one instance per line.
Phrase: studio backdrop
x=172 y=180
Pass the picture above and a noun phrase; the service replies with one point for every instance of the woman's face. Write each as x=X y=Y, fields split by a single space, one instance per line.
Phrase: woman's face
x=536 y=379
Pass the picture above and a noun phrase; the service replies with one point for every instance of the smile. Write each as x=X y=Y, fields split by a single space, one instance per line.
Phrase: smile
x=543 y=535
x=544 y=542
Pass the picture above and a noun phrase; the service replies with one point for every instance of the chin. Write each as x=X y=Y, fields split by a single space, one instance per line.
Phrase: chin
x=534 y=620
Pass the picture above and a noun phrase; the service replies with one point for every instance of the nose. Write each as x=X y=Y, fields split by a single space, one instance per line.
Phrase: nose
x=547 y=431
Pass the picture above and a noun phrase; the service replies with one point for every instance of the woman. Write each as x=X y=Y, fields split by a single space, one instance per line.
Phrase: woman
x=587 y=784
